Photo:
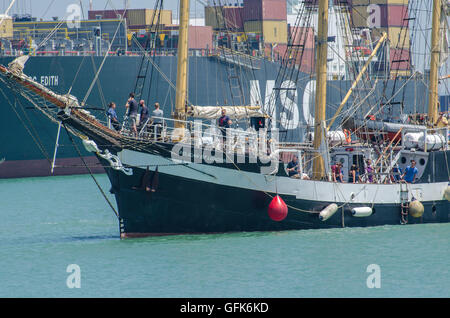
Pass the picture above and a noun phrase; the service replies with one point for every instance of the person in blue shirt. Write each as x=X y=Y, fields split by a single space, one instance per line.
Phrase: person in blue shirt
x=292 y=168
x=113 y=116
x=410 y=172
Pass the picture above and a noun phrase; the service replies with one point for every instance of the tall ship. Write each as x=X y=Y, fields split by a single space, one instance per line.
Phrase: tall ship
x=251 y=52
x=183 y=173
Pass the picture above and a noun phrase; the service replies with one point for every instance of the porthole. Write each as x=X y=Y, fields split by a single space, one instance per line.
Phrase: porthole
x=403 y=160
x=422 y=162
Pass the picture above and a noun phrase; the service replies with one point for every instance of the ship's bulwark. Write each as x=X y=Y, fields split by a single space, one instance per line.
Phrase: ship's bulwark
x=208 y=85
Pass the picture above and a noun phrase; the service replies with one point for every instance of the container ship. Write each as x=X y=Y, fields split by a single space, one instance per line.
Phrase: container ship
x=255 y=37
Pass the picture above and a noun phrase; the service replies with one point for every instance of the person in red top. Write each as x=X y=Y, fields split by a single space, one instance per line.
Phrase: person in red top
x=224 y=123
x=224 y=120
x=336 y=170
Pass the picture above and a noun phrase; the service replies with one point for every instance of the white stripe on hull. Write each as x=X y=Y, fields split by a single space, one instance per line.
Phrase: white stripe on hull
x=302 y=189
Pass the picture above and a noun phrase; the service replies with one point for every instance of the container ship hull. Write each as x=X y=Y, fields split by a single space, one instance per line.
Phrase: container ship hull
x=28 y=137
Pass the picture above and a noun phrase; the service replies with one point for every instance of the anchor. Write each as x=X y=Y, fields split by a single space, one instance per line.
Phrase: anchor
x=149 y=183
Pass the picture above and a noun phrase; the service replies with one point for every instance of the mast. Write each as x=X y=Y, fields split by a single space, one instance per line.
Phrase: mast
x=434 y=68
x=321 y=87
x=182 y=65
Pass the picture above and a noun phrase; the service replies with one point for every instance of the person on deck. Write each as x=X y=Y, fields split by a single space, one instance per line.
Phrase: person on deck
x=144 y=114
x=292 y=168
x=336 y=170
x=157 y=120
x=132 y=107
x=113 y=116
x=441 y=122
x=354 y=174
x=410 y=172
x=224 y=123
x=369 y=171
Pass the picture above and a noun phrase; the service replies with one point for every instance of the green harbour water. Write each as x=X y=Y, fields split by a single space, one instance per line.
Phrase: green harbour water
x=49 y=223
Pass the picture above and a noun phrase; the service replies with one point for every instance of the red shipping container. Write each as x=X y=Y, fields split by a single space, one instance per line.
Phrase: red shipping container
x=105 y=14
x=234 y=17
x=302 y=36
x=397 y=15
x=389 y=16
x=253 y=10
x=256 y=10
x=400 y=59
x=306 y=60
x=200 y=37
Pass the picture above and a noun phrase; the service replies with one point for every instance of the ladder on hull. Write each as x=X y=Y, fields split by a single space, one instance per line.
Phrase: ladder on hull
x=404 y=203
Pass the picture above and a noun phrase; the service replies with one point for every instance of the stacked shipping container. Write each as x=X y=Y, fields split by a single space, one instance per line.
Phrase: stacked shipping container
x=6 y=29
x=267 y=17
x=199 y=37
x=135 y=17
x=220 y=18
x=302 y=39
x=390 y=16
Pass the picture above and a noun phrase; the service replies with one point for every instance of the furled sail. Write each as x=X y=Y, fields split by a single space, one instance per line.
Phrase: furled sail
x=214 y=112
x=444 y=45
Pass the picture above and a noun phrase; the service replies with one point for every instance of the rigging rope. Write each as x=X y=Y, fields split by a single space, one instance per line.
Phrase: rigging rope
x=104 y=59
x=90 y=172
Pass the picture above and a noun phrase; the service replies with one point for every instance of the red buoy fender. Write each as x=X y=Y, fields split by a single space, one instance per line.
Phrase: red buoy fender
x=277 y=210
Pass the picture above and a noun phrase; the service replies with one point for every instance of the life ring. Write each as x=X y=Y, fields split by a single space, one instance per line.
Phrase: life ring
x=348 y=136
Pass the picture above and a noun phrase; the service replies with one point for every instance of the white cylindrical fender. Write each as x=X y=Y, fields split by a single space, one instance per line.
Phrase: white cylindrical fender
x=328 y=212
x=362 y=211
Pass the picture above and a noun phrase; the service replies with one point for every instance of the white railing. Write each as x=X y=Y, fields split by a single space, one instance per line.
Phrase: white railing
x=202 y=134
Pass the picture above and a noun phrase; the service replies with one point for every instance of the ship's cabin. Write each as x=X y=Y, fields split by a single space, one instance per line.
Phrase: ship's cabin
x=349 y=156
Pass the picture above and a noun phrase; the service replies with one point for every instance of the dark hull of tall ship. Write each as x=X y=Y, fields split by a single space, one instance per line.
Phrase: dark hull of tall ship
x=164 y=199
x=28 y=151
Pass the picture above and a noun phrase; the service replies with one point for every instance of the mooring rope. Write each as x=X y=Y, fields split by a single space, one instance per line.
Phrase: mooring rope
x=90 y=172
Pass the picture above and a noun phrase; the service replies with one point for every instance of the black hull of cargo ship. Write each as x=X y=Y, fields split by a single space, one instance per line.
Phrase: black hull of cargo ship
x=28 y=151
x=174 y=202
